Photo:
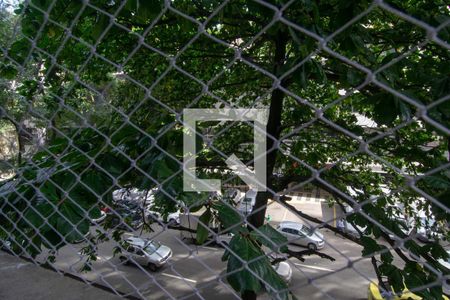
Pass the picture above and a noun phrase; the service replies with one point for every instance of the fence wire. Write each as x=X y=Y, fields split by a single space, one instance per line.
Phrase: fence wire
x=92 y=110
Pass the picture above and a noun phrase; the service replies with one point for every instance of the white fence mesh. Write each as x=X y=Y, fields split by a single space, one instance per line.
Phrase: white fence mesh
x=92 y=101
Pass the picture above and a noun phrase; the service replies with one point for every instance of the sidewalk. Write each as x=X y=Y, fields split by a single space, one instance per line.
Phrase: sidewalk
x=22 y=280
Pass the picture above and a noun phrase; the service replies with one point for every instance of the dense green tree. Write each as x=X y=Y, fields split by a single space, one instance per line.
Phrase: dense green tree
x=123 y=71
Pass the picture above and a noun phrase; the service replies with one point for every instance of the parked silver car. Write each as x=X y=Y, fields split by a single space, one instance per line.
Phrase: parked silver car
x=145 y=252
x=300 y=234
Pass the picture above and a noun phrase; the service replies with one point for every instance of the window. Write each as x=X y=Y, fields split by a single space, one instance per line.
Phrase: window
x=152 y=246
x=139 y=252
x=290 y=230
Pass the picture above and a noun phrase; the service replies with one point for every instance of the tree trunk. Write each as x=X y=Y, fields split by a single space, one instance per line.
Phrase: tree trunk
x=256 y=219
x=20 y=141
x=273 y=134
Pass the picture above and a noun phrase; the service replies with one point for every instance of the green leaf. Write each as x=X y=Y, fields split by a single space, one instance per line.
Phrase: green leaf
x=113 y=165
x=228 y=217
x=240 y=278
x=49 y=191
x=19 y=50
x=202 y=231
x=413 y=247
x=98 y=182
x=144 y=10
x=385 y=108
x=244 y=248
x=274 y=283
x=162 y=170
x=72 y=224
x=437 y=182
x=94 y=213
x=394 y=275
x=416 y=280
x=271 y=238
x=32 y=217
x=370 y=246
x=8 y=72
x=100 y=26
x=387 y=257
x=42 y=4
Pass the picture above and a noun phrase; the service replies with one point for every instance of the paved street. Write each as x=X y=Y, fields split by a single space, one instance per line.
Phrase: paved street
x=197 y=272
x=24 y=280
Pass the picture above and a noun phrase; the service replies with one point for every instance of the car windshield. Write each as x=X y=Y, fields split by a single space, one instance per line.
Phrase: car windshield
x=152 y=246
x=307 y=231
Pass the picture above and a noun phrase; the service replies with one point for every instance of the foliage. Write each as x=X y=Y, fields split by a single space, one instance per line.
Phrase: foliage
x=113 y=112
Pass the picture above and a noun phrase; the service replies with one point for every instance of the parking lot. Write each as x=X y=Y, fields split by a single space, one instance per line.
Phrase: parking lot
x=196 y=272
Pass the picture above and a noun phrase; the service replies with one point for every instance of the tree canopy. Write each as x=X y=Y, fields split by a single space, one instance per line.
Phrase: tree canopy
x=110 y=79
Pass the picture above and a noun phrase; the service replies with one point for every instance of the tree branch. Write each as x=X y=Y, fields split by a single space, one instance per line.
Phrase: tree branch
x=317 y=221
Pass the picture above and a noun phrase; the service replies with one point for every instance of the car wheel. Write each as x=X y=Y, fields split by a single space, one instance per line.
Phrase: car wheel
x=152 y=267
x=312 y=246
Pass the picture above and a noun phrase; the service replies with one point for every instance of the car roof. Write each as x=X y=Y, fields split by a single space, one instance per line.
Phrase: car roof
x=292 y=224
x=251 y=193
x=137 y=241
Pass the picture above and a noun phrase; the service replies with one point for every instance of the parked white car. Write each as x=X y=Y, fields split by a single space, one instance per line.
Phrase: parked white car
x=300 y=234
x=145 y=252
x=172 y=218
x=446 y=264
x=284 y=270
x=234 y=195
x=133 y=197
x=245 y=206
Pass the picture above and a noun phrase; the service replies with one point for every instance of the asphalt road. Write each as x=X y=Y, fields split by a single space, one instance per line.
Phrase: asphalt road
x=197 y=272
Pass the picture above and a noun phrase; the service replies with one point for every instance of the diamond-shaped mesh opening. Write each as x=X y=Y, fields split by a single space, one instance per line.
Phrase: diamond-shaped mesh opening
x=322 y=146
x=323 y=21
x=215 y=59
x=124 y=38
x=370 y=40
x=428 y=60
x=236 y=31
x=229 y=85
x=409 y=144
x=183 y=31
x=155 y=66
x=177 y=89
x=430 y=13
x=444 y=34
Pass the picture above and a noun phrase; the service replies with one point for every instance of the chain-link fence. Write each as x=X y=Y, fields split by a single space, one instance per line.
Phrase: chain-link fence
x=323 y=123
